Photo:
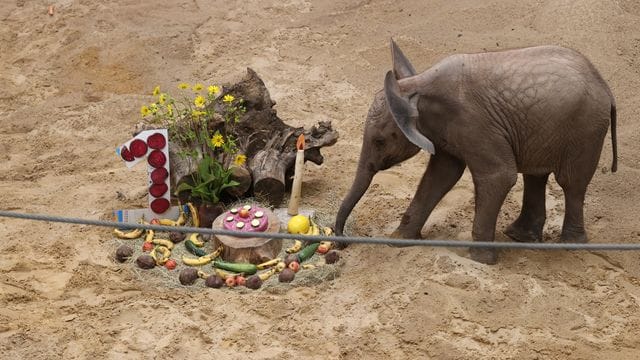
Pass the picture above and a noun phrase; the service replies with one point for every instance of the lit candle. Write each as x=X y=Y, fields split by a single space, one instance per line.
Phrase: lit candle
x=296 y=187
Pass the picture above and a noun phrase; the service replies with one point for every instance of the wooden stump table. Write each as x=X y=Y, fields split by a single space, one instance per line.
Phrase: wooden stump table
x=249 y=249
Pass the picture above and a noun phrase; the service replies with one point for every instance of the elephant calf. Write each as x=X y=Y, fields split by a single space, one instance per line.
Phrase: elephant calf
x=534 y=111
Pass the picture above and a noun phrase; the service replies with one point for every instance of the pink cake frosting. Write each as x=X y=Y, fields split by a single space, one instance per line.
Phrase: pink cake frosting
x=248 y=218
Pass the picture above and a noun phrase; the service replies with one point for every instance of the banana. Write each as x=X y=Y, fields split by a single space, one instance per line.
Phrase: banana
x=136 y=233
x=267 y=264
x=195 y=239
x=312 y=266
x=280 y=266
x=202 y=260
x=182 y=219
x=195 y=218
x=297 y=246
x=166 y=253
x=327 y=231
x=149 y=237
x=202 y=274
x=223 y=274
x=314 y=229
x=167 y=222
x=267 y=274
x=217 y=252
x=163 y=242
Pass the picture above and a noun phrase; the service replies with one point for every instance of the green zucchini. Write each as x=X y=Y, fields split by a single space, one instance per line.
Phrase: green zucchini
x=246 y=268
x=307 y=252
x=192 y=248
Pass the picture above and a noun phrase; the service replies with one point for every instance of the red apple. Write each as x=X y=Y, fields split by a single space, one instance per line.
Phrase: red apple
x=170 y=264
x=147 y=246
x=244 y=213
x=295 y=266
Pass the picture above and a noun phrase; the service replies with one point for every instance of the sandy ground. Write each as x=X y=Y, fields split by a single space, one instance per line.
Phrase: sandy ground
x=72 y=84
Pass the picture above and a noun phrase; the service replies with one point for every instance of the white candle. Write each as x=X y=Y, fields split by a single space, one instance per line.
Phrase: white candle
x=296 y=187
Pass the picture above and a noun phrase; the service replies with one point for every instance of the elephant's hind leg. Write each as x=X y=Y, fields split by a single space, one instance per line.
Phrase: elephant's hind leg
x=573 y=225
x=528 y=226
x=574 y=178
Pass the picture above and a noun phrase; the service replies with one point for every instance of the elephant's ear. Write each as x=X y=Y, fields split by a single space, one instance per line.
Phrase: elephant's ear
x=402 y=68
x=405 y=113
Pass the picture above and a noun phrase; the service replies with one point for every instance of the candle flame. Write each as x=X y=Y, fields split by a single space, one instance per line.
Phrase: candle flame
x=300 y=142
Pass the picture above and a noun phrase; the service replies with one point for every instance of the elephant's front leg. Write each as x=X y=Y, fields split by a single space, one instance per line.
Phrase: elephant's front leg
x=491 y=188
x=442 y=173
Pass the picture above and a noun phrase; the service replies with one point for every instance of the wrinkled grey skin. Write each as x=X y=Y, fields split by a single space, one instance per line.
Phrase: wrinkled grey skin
x=533 y=111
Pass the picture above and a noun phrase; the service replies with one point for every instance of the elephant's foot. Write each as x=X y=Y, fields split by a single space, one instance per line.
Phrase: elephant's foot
x=568 y=236
x=400 y=234
x=520 y=232
x=485 y=256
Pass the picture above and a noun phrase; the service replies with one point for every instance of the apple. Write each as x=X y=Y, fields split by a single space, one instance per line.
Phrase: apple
x=170 y=264
x=294 y=265
x=147 y=246
x=244 y=213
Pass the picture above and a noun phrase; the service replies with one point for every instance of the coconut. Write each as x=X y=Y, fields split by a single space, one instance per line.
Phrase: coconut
x=188 y=276
x=146 y=262
x=123 y=253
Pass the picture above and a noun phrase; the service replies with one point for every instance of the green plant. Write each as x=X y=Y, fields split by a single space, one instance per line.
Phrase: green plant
x=202 y=124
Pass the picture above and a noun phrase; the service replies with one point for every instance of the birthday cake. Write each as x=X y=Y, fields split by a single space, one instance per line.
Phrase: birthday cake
x=246 y=218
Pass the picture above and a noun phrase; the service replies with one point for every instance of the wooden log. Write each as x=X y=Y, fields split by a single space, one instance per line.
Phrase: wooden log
x=253 y=250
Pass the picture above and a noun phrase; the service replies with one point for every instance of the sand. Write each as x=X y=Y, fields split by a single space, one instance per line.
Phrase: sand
x=72 y=85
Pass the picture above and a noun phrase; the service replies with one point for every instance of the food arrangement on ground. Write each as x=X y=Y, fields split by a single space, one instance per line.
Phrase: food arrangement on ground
x=163 y=251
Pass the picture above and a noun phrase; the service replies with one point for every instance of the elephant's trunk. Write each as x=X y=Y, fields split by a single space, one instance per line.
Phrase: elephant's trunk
x=360 y=185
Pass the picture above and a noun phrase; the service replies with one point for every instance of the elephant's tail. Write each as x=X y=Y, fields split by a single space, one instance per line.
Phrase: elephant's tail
x=614 y=140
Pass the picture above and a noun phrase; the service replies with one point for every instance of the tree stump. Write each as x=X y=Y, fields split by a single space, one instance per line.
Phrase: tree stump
x=253 y=249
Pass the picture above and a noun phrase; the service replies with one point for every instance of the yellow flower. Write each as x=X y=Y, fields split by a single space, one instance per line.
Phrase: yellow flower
x=162 y=98
x=183 y=86
x=240 y=159
x=170 y=110
x=197 y=114
x=144 y=111
x=213 y=90
x=228 y=99
x=217 y=140
x=156 y=90
x=198 y=87
x=153 y=108
x=199 y=101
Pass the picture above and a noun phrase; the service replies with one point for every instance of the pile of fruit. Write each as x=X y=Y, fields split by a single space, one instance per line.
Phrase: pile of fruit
x=159 y=251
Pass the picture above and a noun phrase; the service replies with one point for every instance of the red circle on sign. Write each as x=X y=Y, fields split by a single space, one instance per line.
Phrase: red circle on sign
x=157 y=158
x=138 y=148
x=159 y=175
x=160 y=205
x=156 y=141
x=157 y=190
x=126 y=154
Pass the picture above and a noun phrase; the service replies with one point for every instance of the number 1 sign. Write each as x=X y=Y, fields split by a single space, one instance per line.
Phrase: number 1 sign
x=152 y=146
